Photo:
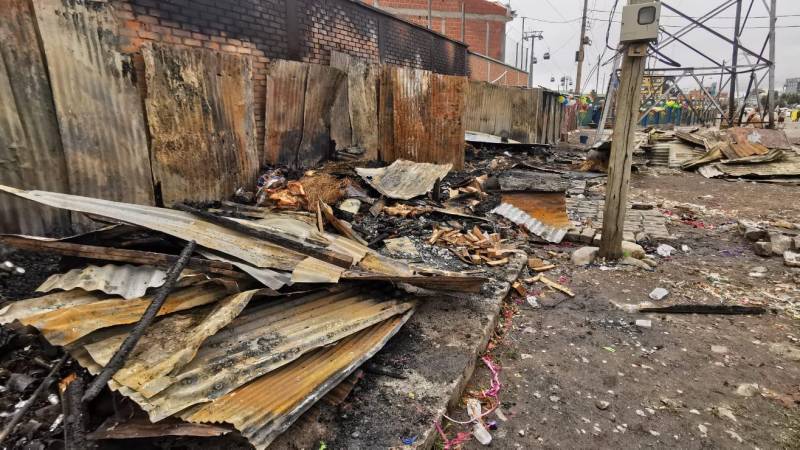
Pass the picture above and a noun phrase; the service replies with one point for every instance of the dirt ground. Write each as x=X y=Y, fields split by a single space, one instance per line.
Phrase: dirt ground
x=579 y=373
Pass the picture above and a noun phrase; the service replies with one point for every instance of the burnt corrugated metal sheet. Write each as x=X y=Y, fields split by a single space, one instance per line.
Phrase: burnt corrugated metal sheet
x=30 y=146
x=51 y=302
x=323 y=83
x=286 y=93
x=200 y=115
x=362 y=96
x=265 y=338
x=168 y=344
x=269 y=405
x=127 y=281
x=64 y=326
x=175 y=223
x=421 y=116
x=300 y=97
x=97 y=101
x=403 y=179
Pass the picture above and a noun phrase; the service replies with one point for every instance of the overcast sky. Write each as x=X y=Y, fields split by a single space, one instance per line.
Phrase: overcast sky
x=560 y=22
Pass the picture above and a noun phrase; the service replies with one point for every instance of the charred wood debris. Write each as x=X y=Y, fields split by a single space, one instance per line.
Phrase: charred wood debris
x=422 y=228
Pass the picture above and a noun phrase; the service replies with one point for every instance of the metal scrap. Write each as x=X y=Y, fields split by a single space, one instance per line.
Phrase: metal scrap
x=126 y=281
x=542 y=214
x=404 y=179
x=773 y=139
x=268 y=406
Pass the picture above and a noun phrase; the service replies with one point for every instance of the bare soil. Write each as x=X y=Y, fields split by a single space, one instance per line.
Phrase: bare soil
x=673 y=384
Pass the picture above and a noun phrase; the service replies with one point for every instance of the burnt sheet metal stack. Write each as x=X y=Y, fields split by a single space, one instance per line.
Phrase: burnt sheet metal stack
x=225 y=349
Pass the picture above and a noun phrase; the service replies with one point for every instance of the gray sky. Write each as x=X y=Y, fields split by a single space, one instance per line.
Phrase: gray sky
x=560 y=22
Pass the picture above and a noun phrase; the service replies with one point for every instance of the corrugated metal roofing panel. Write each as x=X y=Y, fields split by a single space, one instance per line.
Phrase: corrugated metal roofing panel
x=768 y=138
x=286 y=93
x=175 y=223
x=126 y=281
x=421 y=116
x=362 y=85
x=200 y=116
x=97 y=101
x=404 y=179
x=265 y=338
x=168 y=344
x=66 y=325
x=46 y=303
x=788 y=166
x=312 y=270
x=535 y=226
x=30 y=145
x=269 y=278
x=265 y=408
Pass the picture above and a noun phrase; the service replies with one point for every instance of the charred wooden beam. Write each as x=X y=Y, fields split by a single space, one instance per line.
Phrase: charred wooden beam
x=118 y=255
x=118 y=360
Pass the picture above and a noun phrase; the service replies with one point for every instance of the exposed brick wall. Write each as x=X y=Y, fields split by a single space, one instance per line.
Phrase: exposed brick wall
x=485 y=69
x=304 y=30
x=479 y=13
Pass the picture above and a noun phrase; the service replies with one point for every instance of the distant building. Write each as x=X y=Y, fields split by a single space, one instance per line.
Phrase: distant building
x=792 y=86
x=484 y=24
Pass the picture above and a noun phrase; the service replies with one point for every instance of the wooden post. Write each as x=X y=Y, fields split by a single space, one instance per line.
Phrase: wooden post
x=619 y=165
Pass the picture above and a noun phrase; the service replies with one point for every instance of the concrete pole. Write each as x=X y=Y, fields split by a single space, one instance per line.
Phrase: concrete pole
x=619 y=165
x=530 y=61
x=580 y=50
x=522 y=44
x=463 y=22
x=734 y=61
x=771 y=93
x=430 y=14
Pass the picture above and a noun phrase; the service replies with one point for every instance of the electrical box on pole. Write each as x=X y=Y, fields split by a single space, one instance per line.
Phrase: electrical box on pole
x=640 y=21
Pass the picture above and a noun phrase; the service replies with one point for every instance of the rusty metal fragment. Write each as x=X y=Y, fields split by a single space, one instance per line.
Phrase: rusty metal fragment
x=773 y=139
x=404 y=179
x=543 y=214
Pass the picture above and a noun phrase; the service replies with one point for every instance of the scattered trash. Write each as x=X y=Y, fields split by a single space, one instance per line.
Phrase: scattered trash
x=659 y=293
x=643 y=323
x=665 y=251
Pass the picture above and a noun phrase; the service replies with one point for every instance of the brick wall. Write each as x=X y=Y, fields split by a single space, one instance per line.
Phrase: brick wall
x=304 y=30
x=482 y=68
x=446 y=19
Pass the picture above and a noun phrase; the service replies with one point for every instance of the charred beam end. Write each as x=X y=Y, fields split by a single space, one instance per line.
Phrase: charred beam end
x=28 y=403
x=118 y=360
x=275 y=238
x=74 y=416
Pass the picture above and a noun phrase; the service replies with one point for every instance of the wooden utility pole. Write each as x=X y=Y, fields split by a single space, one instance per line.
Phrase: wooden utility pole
x=619 y=165
x=580 y=49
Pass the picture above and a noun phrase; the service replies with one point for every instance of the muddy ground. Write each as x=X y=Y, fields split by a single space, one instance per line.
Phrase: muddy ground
x=579 y=373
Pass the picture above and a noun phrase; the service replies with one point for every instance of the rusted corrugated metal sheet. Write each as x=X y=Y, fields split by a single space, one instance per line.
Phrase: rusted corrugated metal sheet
x=775 y=139
x=268 y=406
x=168 y=344
x=286 y=93
x=362 y=97
x=543 y=214
x=97 y=101
x=789 y=165
x=47 y=303
x=200 y=115
x=175 y=223
x=403 y=179
x=30 y=146
x=421 y=116
x=300 y=97
x=64 y=326
x=507 y=111
x=265 y=338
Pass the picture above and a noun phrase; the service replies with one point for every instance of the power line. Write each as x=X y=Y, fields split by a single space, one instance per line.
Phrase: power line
x=556 y=10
